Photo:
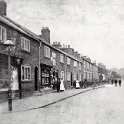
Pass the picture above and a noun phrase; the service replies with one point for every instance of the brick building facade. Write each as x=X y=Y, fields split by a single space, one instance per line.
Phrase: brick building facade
x=37 y=61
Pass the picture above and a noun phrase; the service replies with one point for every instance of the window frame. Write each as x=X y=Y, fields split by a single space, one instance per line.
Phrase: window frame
x=75 y=63
x=3 y=37
x=46 y=51
x=68 y=61
x=68 y=76
x=79 y=65
x=53 y=58
x=25 y=44
x=61 y=58
x=25 y=73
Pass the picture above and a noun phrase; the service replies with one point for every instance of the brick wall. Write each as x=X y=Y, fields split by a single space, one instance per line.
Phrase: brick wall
x=28 y=58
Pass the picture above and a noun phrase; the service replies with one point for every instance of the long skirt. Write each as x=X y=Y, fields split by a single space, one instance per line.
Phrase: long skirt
x=77 y=85
x=62 y=88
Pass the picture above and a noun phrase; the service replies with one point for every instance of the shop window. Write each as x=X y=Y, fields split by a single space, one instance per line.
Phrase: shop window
x=25 y=73
x=45 y=76
x=2 y=34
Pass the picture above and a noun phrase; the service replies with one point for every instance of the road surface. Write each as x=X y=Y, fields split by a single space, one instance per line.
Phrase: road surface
x=99 y=106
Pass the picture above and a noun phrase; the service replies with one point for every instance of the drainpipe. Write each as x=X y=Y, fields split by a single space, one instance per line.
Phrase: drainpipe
x=65 y=73
x=39 y=76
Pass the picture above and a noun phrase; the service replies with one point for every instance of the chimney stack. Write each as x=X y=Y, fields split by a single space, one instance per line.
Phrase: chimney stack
x=45 y=34
x=57 y=45
x=3 y=8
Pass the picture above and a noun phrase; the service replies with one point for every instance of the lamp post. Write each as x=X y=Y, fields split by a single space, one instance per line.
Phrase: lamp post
x=9 y=44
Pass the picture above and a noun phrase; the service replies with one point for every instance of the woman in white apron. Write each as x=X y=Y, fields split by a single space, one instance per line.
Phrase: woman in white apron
x=77 y=84
x=14 y=81
x=62 y=88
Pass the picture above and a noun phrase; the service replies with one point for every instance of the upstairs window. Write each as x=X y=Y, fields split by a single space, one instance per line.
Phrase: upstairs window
x=53 y=58
x=84 y=64
x=68 y=76
x=61 y=58
x=25 y=44
x=25 y=73
x=68 y=61
x=75 y=63
x=79 y=66
x=2 y=34
x=47 y=51
x=88 y=66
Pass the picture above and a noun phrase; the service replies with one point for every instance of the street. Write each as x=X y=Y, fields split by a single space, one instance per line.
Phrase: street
x=98 y=106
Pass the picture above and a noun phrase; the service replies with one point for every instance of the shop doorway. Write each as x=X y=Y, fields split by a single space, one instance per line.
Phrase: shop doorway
x=45 y=75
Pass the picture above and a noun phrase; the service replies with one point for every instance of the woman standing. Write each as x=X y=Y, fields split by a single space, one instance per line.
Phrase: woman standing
x=62 y=88
x=77 y=84
x=14 y=83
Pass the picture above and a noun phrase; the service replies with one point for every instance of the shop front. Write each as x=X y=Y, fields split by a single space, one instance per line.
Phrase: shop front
x=45 y=75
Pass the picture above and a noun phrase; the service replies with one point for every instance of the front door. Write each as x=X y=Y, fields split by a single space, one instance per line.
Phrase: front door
x=36 y=78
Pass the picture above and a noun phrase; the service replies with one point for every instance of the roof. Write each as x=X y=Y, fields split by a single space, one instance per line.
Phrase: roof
x=18 y=27
x=27 y=32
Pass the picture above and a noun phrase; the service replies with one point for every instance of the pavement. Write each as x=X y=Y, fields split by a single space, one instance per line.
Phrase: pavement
x=41 y=101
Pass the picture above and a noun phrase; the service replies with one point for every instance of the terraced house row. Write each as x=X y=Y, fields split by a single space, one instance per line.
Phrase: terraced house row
x=35 y=60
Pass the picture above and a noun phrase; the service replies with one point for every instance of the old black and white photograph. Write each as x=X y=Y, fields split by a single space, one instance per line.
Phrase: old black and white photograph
x=61 y=62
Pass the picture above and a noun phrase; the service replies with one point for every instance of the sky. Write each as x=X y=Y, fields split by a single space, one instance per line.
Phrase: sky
x=94 y=28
